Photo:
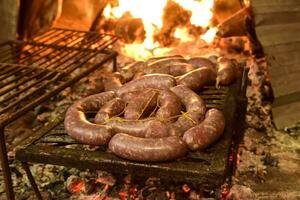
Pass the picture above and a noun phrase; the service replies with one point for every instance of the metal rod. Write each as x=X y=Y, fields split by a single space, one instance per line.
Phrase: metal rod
x=39 y=100
x=32 y=181
x=5 y=167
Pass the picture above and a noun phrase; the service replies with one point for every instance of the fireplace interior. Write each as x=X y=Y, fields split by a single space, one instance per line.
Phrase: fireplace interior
x=55 y=53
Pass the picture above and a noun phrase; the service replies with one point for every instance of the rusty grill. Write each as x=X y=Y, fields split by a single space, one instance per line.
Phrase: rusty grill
x=33 y=71
x=208 y=168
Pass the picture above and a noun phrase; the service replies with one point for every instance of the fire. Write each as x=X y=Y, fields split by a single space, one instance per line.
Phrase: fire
x=209 y=35
x=151 y=13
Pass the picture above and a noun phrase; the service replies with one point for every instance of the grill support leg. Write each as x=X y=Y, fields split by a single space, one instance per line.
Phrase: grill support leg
x=32 y=181
x=115 y=64
x=5 y=167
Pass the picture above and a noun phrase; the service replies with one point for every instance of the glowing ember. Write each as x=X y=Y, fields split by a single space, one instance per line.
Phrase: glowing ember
x=151 y=13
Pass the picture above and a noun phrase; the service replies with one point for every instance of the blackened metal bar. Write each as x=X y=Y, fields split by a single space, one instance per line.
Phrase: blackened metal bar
x=6 y=68
x=9 y=118
x=47 y=34
x=32 y=47
x=24 y=80
x=28 y=95
x=32 y=181
x=7 y=98
x=20 y=44
x=53 y=51
x=5 y=166
x=58 y=77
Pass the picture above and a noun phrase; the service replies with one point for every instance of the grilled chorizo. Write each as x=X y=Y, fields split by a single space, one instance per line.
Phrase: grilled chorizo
x=155 y=81
x=142 y=105
x=110 y=109
x=198 y=78
x=169 y=106
x=199 y=62
x=194 y=106
x=79 y=128
x=147 y=149
x=207 y=132
x=130 y=70
x=227 y=72
x=166 y=61
x=133 y=127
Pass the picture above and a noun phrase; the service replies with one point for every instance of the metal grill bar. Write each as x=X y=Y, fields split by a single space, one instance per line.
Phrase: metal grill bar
x=34 y=71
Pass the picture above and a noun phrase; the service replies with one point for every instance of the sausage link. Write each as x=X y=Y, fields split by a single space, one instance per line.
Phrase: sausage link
x=147 y=149
x=194 y=106
x=110 y=109
x=170 y=106
x=142 y=105
x=207 y=132
x=155 y=81
x=198 y=78
x=227 y=72
x=79 y=128
x=199 y=62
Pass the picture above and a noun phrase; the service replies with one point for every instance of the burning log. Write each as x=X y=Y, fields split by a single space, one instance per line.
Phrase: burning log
x=235 y=25
x=128 y=28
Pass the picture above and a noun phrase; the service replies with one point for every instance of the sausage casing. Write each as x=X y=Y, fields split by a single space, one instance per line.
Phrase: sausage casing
x=207 y=132
x=147 y=149
x=79 y=128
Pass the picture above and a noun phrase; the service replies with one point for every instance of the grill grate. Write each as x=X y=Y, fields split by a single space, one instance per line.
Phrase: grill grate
x=33 y=71
x=208 y=168
x=44 y=66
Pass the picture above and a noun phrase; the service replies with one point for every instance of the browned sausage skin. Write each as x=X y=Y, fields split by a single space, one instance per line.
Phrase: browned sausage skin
x=79 y=128
x=174 y=69
x=142 y=105
x=207 y=132
x=199 y=62
x=227 y=72
x=198 y=78
x=147 y=149
x=194 y=106
x=169 y=106
x=154 y=81
x=110 y=109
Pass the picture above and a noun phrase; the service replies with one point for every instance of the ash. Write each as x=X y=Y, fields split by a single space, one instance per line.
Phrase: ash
x=267 y=164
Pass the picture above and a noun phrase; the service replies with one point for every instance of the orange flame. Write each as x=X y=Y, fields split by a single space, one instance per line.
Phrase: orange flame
x=151 y=13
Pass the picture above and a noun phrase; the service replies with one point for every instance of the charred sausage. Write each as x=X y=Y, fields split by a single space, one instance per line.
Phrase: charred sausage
x=198 y=78
x=110 y=109
x=155 y=81
x=79 y=128
x=207 y=132
x=147 y=149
